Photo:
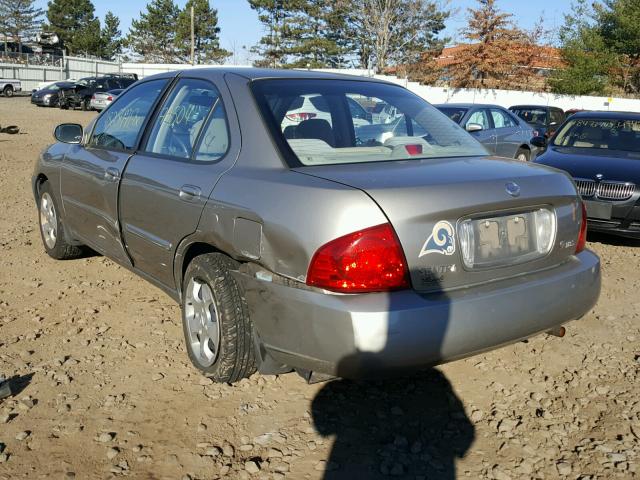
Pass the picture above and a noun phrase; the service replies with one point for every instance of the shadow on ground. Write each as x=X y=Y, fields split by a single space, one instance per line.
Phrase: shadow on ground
x=404 y=428
x=598 y=237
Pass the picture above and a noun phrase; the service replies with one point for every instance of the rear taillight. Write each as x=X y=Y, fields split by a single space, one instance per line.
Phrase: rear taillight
x=414 y=149
x=109 y=98
x=582 y=236
x=370 y=260
x=93 y=97
x=299 y=117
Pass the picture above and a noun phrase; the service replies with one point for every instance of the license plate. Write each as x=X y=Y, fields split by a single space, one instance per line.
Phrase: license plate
x=599 y=210
x=507 y=239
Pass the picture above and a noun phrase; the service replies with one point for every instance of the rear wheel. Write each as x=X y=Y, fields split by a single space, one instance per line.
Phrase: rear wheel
x=85 y=104
x=52 y=228
x=8 y=91
x=523 y=155
x=215 y=320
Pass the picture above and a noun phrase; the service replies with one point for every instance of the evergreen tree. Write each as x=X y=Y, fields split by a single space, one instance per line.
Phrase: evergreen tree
x=153 y=35
x=76 y=25
x=111 y=36
x=276 y=16
x=584 y=52
x=19 y=19
x=493 y=58
x=206 y=33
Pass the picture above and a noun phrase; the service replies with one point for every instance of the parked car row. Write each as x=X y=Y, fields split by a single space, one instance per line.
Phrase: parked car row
x=90 y=93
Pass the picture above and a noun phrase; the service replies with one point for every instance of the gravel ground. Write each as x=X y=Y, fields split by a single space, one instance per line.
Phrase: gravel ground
x=106 y=390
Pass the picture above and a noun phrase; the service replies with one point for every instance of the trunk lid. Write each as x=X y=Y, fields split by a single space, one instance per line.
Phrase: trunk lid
x=420 y=196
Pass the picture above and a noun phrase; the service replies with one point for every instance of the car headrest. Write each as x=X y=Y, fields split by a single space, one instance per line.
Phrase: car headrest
x=316 y=128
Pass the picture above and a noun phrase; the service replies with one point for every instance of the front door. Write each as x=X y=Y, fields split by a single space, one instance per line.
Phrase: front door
x=91 y=172
x=486 y=136
x=166 y=185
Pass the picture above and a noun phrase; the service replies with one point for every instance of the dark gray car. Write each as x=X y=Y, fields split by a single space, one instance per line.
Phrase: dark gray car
x=316 y=251
x=502 y=132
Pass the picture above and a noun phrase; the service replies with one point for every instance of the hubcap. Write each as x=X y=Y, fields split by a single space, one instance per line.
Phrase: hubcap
x=48 y=220
x=522 y=157
x=202 y=322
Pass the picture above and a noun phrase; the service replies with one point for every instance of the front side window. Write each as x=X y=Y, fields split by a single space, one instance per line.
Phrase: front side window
x=184 y=112
x=385 y=123
x=603 y=134
x=480 y=117
x=557 y=117
x=119 y=126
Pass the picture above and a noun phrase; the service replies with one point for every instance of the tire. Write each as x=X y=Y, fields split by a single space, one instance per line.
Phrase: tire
x=52 y=228
x=523 y=155
x=63 y=105
x=84 y=106
x=8 y=91
x=214 y=310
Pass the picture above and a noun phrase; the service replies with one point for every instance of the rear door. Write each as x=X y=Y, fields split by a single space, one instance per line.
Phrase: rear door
x=507 y=132
x=189 y=145
x=486 y=136
x=91 y=172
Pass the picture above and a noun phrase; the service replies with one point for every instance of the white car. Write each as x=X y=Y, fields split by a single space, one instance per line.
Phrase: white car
x=101 y=100
x=308 y=107
x=9 y=86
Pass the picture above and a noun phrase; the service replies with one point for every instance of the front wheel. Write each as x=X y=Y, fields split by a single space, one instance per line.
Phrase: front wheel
x=52 y=228
x=215 y=320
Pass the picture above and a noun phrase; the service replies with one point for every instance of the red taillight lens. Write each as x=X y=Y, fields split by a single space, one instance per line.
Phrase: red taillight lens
x=109 y=98
x=299 y=117
x=370 y=260
x=582 y=236
x=93 y=97
x=413 y=149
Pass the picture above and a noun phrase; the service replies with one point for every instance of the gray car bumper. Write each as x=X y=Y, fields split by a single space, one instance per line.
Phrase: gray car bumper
x=363 y=335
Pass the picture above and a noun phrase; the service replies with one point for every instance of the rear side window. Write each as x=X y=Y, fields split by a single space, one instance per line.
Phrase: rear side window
x=356 y=121
x=501 y=119
x=119 y=126
x=557 y=116
x=177 y=127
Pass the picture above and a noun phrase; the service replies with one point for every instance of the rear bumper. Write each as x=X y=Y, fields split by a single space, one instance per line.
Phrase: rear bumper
x=362 y=335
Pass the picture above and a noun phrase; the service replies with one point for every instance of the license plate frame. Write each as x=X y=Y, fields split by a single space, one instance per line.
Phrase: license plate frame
x=598 y=210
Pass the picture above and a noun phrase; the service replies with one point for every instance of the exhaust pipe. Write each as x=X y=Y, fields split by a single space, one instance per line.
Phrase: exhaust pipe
x=557 y=331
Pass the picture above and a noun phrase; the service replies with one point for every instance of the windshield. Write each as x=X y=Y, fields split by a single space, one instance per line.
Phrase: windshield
x=354 y=121
x=455 y=114
x=602 y=134
x=533 y=116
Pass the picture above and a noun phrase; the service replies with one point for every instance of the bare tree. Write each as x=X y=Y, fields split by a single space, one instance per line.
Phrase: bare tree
x=388 y=31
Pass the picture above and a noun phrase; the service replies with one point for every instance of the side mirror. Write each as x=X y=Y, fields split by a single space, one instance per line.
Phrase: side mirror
x=539 y=142
x=474 y=127
x=68 y=133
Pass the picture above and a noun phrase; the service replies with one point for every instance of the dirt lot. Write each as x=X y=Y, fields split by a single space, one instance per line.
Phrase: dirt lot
x=107 y=390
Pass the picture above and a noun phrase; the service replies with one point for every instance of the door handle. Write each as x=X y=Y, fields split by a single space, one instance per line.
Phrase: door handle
x=189 y=193
x=112 y=174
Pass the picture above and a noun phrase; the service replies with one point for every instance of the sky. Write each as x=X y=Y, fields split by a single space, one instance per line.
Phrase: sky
x=239 y=25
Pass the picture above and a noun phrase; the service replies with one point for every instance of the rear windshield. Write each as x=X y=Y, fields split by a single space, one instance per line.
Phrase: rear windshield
x=533 y=116
x=319 y=122
x=453 y=113
x=604 y=134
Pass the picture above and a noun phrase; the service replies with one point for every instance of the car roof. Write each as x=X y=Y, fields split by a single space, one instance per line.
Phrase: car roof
x=606 y=115
x=252 y=73
x=536 y=106
x=467 y=105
